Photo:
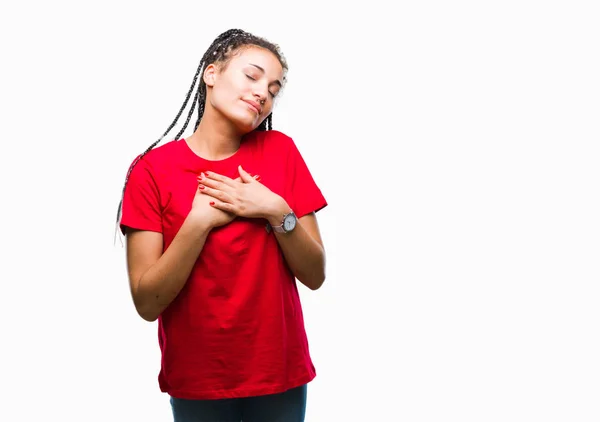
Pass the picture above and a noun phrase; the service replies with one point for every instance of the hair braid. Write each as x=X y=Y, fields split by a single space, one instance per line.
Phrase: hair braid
x=219 y=51
x=187 y=98
x=189 y=116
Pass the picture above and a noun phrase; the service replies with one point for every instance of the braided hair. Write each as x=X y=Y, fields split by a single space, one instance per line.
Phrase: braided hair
x=220 y=51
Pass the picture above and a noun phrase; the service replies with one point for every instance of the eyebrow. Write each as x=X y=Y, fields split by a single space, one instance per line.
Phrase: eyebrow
x=276 y=81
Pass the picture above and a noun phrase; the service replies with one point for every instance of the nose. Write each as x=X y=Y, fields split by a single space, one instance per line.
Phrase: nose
x=260 y=93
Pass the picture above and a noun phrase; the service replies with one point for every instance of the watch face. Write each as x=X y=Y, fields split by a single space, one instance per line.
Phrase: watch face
x=289 y=223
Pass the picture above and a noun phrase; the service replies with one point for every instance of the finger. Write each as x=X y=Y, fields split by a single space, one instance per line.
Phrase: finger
x=246 y=178
x=215 y=193
x=213 y=183
x=239 y=179
x=218 y=177
x=223 y=206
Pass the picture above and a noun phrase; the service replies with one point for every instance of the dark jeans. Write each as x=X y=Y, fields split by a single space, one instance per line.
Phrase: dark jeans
x=288 y=406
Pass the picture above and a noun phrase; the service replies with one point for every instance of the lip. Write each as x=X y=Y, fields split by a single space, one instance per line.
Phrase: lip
x=254 y=105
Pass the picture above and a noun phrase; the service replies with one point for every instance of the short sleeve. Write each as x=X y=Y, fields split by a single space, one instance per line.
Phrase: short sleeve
x=307 y=196
x=141 y=200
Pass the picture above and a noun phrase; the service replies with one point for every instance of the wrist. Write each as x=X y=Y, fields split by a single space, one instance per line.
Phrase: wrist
x=199 y=223
x=277 y=211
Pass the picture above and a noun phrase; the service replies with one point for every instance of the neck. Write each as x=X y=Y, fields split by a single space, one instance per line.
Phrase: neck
x=215 y=138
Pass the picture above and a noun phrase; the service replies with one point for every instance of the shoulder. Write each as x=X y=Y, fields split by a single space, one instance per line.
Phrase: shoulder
x=275 y=136
x=161 y=153
x=155 y=159
x=273 y=140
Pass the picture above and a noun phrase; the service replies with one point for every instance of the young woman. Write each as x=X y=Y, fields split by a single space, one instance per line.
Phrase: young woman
x=219 y=226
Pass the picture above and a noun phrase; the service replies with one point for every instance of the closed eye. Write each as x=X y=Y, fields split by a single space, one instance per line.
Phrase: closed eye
x=253 y=79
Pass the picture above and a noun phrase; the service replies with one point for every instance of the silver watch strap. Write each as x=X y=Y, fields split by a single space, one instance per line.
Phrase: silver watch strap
x=278 y=229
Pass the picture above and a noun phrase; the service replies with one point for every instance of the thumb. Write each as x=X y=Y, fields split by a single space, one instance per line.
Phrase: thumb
x=246 y=178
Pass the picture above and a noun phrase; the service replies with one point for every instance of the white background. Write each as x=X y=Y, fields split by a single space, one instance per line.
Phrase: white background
x=456 y=143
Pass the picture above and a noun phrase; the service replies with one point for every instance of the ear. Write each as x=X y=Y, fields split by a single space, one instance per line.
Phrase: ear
x=210 y=74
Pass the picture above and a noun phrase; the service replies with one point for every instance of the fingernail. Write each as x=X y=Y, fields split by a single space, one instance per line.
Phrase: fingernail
x=201 y=186
x=201 y=176
x=212 y=203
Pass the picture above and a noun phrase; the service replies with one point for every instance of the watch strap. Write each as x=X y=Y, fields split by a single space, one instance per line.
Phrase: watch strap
x=279 y=228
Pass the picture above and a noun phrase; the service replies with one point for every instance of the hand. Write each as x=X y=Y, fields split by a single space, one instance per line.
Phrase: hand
x=207 y=214
x=245 y=198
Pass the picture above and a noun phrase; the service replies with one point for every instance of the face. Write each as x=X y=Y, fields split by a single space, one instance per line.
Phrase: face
x=244 y=91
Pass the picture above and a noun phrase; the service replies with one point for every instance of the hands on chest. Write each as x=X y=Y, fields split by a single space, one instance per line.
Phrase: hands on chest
x=220 y=199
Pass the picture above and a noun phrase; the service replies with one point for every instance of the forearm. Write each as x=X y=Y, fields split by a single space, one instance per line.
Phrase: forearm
x=163 y=281
x=303 y=254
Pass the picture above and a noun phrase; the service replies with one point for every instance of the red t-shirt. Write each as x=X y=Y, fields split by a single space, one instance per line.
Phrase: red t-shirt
x=236 y=329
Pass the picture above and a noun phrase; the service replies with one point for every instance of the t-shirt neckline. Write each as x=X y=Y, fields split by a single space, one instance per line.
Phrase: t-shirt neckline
x=195 y=157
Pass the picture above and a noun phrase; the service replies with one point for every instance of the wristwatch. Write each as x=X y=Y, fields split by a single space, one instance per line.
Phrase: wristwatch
x=287 y=224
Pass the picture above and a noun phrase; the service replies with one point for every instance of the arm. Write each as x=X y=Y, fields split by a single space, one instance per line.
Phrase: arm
x=156 y=278
x=302 y=247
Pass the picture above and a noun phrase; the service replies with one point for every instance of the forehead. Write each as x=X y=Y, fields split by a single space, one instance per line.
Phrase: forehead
x=248 y=56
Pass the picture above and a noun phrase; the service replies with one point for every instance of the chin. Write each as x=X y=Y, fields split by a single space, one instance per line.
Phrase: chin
x=241 y=118
x=245 y=123
x=245 y=126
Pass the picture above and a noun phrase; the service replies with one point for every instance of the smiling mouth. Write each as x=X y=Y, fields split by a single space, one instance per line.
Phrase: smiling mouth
x=253 y=107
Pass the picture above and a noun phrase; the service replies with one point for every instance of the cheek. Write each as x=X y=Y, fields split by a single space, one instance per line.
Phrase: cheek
x=223 y=97
x=267 y=108
x=233 y=94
